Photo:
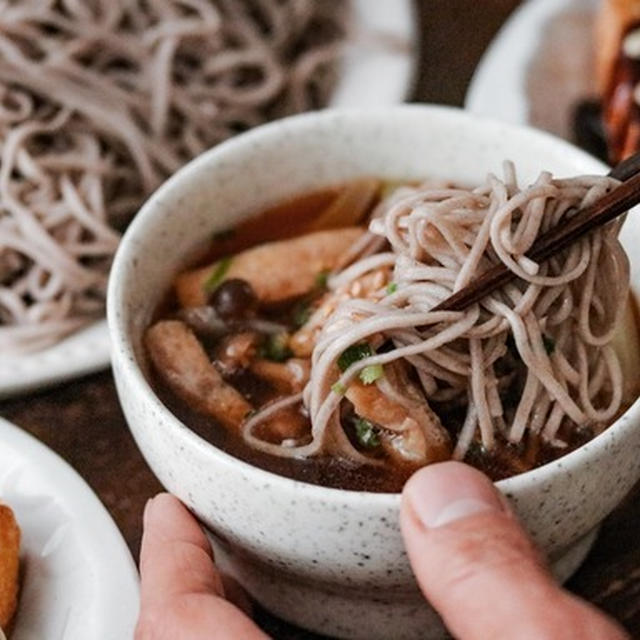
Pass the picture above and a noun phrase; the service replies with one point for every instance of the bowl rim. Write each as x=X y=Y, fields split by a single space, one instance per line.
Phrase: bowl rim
x=122 y=347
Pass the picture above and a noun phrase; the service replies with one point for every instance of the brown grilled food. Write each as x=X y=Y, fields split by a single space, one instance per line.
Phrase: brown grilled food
x=9 y=565
x=618 y=75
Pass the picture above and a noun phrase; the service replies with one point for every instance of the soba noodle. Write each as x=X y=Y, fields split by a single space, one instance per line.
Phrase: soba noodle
x=553 y=325
x=101 y=100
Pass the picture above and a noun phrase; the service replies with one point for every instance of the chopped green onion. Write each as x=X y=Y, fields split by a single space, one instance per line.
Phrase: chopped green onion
x=338 y=388
x=276 y=348
x=322 y=279
x=371 y=373
x=392 y=287
x=354 y=353
x=367 y=433
x=301 y=314
x=549 y=344
x=217 y=274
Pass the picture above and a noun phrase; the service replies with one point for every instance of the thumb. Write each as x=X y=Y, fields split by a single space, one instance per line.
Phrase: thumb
x=479 y=570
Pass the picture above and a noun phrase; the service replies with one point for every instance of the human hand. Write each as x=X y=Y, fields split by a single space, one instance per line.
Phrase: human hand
x=471 y=558
x=182 y=595
x=478 y=568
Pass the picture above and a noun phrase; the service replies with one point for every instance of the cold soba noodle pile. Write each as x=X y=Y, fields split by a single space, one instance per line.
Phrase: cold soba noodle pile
x=100 y=101
x=370 y=376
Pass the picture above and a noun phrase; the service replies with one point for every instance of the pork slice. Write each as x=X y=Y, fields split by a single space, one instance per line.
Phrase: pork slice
x=182 y=363
x=276 y=271
x=412 y=433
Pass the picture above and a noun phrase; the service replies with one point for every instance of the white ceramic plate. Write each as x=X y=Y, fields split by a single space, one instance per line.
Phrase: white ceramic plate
x=539 y=66
x=373 y=75
x=79 y=581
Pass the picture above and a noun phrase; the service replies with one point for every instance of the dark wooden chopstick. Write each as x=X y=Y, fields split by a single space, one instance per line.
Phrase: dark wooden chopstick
x=627 y=168
x=612 y=205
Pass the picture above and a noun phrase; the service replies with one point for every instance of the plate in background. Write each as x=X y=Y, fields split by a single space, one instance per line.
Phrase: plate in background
x=539 y=66
x=78 y=579
x=377 y=70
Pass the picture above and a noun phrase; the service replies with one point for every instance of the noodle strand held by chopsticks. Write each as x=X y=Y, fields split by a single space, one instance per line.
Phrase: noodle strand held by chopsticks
x=100 y=101
x=529 y=358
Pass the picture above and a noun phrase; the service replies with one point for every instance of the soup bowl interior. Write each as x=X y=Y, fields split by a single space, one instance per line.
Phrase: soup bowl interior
x=304 y=550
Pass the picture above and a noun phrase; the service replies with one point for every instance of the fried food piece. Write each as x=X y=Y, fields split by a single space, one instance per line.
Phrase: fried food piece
x=276 y=270
x=183 y=364
x=287 y=377
x=411 y=435
x=9 y=565
x=366 y=287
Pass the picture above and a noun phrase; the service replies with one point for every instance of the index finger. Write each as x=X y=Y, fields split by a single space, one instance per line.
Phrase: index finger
x=175 y=557
x=182 y=595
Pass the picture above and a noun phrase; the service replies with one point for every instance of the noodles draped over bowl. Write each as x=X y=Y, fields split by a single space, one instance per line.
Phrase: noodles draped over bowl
x=102 y=100
x=532 y=361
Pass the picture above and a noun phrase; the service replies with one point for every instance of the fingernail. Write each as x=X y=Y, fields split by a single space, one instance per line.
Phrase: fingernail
x=449 y=492
x=460 y=509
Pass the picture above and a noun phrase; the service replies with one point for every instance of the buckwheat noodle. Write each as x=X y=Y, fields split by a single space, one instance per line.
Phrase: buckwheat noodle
x=553 y=326
x=101 y=100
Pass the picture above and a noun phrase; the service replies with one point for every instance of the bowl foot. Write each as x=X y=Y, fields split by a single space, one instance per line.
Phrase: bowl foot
x=359 y=614
x=352 y=614
x=567 y=562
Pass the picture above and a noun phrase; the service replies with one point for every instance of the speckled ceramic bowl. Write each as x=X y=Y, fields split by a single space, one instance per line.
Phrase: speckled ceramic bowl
x=325 y=559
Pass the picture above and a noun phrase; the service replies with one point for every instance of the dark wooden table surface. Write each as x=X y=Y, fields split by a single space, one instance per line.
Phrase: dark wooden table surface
x=82 y=420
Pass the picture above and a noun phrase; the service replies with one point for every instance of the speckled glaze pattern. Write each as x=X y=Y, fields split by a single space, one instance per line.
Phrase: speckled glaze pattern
x=330 y=560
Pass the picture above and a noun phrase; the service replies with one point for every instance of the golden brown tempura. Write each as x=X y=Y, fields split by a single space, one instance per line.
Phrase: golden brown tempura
x=9 y=565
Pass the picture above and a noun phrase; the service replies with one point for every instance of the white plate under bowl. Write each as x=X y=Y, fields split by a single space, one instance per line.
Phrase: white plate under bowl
x=377 y=70
x=79 y=581
x=539 y=66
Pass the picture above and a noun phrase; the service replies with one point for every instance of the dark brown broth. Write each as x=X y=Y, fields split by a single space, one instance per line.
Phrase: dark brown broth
x=285 y=220
x=324 y=471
